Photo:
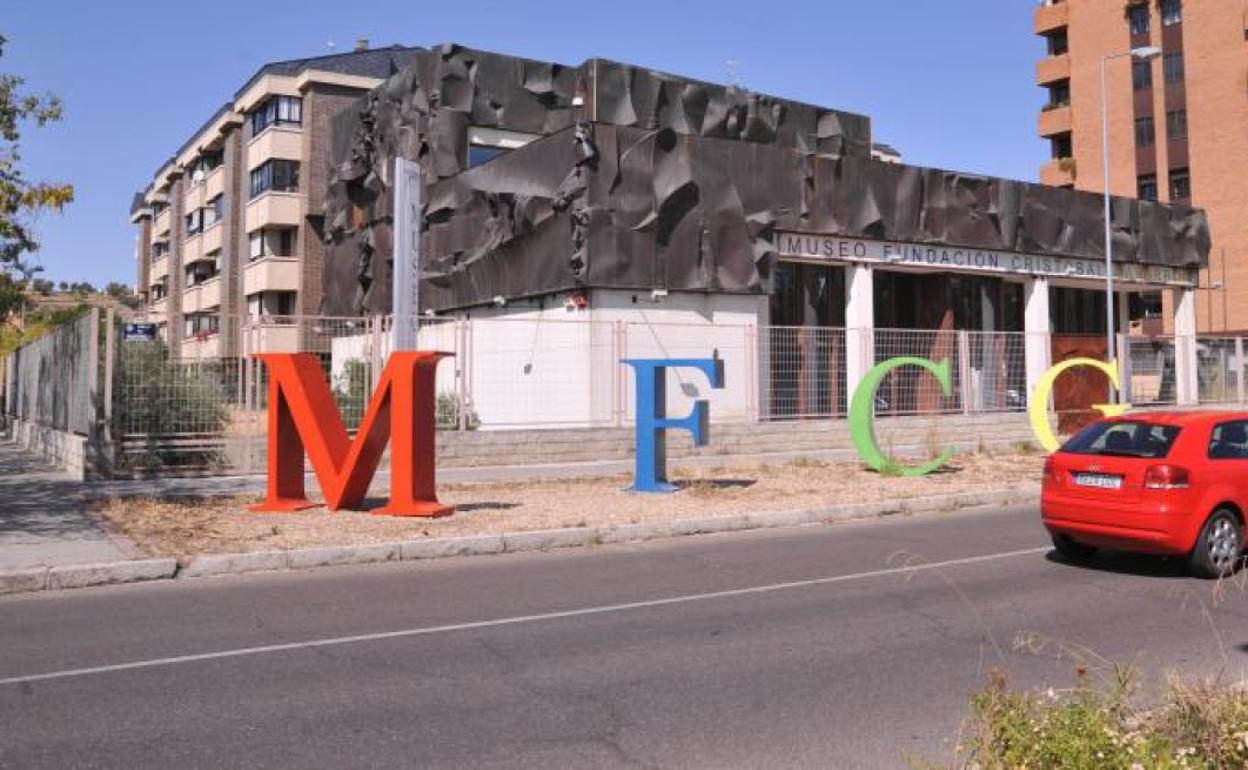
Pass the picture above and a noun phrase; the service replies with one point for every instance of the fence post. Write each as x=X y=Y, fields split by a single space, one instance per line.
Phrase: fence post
x=964 y=369
x=751 y=373
x=464 y=365
x=1124 y=368
x=1239 y=370
x=110 y=353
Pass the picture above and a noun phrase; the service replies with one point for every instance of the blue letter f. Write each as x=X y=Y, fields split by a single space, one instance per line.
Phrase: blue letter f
x=652 y=420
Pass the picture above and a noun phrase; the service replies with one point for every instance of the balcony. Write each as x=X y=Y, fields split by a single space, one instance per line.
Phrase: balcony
x=261 y=336
x=203 y=296
x=163 y=221
x=275 y=209
x=202 y=345
x=192 y=248
x=271 y=274
x=1054 y=120
x=275 y=142
x=160 y=307
x=1052 y=69
x=193 y=198
x=1050 y=16
x=214 y=183
x=211 y=238
x=1059 y=172
x=160 y=268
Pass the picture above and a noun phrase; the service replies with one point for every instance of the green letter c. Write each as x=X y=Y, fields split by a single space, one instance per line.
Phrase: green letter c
x=862 y=415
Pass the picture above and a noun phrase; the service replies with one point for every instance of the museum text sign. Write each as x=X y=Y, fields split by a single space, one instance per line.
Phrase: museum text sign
x=837 y=249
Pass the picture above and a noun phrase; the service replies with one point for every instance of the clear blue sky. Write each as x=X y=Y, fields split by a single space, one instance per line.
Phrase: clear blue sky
x=948 y=84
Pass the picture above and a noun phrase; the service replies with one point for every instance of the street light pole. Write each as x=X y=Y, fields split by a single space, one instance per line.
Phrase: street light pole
x=1145 y=53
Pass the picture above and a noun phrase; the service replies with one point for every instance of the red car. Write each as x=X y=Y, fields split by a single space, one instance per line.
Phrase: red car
x=1169 y=483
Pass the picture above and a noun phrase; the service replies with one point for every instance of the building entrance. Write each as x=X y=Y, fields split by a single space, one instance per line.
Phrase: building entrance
x=806 y=341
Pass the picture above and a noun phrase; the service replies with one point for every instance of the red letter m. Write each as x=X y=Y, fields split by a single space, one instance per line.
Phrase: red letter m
x=302 y=415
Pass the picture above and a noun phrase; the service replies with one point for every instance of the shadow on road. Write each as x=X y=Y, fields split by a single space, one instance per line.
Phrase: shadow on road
x=1139 y=565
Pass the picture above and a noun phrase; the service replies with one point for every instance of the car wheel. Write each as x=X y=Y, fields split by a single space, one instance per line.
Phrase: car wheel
x=1072 y=551
x=1220 y=547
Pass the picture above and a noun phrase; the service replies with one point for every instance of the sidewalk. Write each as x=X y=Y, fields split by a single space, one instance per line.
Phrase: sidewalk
x=43 y=521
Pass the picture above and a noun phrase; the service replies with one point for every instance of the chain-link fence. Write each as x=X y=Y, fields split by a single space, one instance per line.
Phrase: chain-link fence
x=1150 y=371
x=199 y=411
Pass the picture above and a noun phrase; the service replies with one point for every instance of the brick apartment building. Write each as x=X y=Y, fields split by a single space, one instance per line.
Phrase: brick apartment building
x=229 y=226
x=1178 y=122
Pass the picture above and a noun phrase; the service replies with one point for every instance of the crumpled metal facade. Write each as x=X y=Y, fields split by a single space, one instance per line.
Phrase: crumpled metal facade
x=642 y=180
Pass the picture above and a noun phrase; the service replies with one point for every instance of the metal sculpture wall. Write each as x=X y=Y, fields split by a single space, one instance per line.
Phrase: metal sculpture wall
x=642 y=180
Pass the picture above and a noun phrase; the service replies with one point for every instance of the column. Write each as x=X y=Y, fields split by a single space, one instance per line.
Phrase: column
x=859 y=323
x=1036 y=324
x=1123 y=343
x=1185 y=383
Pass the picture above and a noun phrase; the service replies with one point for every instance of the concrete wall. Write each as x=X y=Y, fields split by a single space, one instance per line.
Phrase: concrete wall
x=67 y=451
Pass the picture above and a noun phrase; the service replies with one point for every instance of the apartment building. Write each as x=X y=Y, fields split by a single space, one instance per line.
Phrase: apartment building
x=229 y=226
x=1178 y=121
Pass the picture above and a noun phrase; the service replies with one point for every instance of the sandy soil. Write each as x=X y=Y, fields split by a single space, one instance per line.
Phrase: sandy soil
x=183 y=527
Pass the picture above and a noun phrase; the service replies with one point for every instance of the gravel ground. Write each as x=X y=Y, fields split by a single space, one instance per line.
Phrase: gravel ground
x=183 y=527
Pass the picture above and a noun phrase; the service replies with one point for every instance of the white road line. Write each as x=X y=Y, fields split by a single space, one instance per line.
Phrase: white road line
x=600 y=610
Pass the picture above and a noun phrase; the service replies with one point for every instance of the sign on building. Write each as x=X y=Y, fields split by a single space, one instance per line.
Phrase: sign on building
x=138 y=332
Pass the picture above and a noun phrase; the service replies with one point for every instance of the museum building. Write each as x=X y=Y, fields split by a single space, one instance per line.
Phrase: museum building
x=611 y=192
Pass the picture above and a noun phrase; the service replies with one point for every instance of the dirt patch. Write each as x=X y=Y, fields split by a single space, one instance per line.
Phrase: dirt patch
x=183 y=527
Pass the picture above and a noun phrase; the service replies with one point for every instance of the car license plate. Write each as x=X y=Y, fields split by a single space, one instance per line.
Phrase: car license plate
x=1098 y=480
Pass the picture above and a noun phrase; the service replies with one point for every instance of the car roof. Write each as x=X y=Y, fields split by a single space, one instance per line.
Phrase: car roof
x=1182 y=416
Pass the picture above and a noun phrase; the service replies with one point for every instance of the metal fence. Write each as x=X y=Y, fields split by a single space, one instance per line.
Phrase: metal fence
x=204 y=408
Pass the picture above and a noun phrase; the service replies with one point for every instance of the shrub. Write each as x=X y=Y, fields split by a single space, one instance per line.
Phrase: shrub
x=1201 y=725
x=157 y=398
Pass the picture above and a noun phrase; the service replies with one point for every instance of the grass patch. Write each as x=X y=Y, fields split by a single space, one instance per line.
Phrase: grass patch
x=1199 y=724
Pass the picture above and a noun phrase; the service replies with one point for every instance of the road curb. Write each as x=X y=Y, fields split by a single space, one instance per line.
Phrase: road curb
x=208 y=565
x=83 y=575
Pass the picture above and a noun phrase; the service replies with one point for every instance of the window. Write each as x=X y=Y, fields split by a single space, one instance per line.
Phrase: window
x=281 y=175
x=1060 y=146
x=1180 y=184
x=1229 y=441
x=271 y=303
x=1145 y=132
x=275 y=243
x=278 y=110
x=158 y=207
x=215 y=211
x=1126 y=438
x=1172 y=65
x=202 y=325
x=1137 y=19
x=1171 y=12
x=160 y=249
x=194 y=221
x=1058 y=43
x=1146 y=187
x=204 y=165
x=486 y=144
x=1059 y=94
x=1141 y=75
x=1176 y=124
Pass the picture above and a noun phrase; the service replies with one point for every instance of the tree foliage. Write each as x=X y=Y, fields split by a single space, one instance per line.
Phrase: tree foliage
x=21 y=199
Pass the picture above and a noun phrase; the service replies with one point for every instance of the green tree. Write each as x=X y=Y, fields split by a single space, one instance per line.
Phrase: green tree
x=20 y=198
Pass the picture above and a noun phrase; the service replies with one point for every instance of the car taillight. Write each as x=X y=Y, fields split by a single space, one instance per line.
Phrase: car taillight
x=1050 y=472
x=1166 y=477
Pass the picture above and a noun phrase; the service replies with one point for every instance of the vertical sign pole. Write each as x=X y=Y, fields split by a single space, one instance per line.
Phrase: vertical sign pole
x=406 y=264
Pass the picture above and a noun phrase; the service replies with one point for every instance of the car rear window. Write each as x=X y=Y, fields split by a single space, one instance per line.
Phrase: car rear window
x=1126 y=438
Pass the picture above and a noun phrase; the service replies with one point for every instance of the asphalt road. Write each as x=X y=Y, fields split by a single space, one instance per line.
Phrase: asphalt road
x=808 y=647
